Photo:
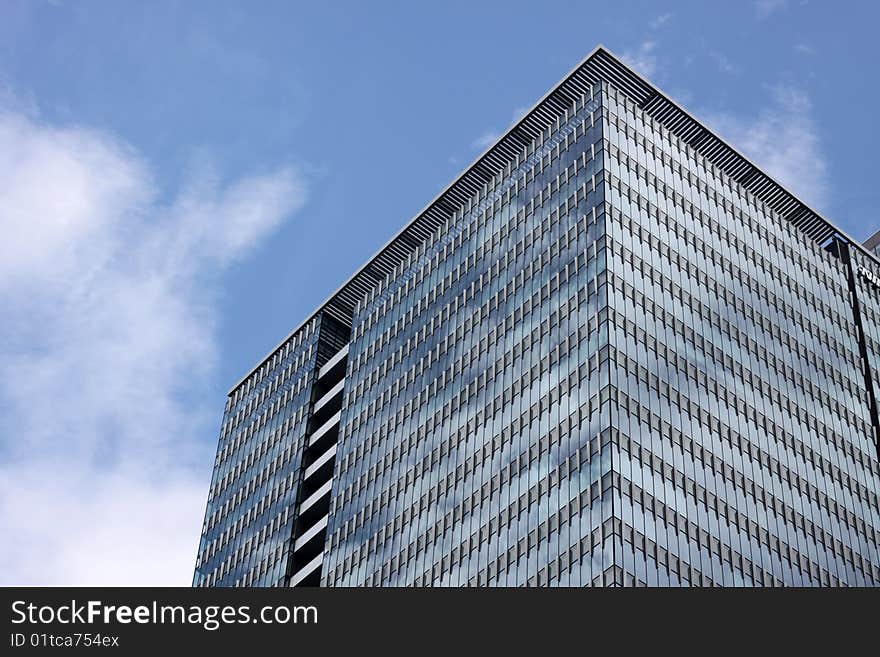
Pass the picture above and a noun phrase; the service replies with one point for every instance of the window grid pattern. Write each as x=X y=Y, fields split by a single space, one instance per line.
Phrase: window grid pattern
x=248 y=519
x=742 y=437
x=612 y=365
x=866 y=276
x=471 y=446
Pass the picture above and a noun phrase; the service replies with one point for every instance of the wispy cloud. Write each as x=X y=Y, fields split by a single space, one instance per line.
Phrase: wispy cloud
x=489 y=137
x=660 y=21
x=723 y=63
x=485 y=140
x=783 y=140
x=518 y=113
x=803 y=49
x=643 y=59
x=765 y=8
x=106 y=349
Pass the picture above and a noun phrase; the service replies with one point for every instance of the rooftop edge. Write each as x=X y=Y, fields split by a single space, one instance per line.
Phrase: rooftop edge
x=599 y=65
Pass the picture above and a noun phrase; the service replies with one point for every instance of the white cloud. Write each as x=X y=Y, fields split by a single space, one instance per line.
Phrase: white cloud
x=765 y=8
x=483 y=142
x=106 y=349
x=660 y=21
x=518 y=113
x=783 y=140
x=724 y=64
x=642 y=59
x=487 y=139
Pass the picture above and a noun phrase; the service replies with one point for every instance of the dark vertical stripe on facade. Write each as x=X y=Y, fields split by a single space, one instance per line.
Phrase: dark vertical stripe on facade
x=844 y=253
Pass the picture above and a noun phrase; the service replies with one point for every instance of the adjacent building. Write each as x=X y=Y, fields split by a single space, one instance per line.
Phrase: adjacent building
x=612 y=352
x=872 y=244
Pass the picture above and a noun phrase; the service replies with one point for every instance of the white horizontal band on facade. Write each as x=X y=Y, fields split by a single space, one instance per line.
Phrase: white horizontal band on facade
x=329 y=396
x=316 y=496
x=322 y=460
x=312 y=531
x=330 y=364
x=324 y=428
x=307 y=570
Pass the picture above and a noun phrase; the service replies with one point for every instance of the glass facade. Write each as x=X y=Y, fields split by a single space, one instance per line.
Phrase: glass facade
x=743 y=445
x=470 y=439
x=248 y=518
x=611 y=362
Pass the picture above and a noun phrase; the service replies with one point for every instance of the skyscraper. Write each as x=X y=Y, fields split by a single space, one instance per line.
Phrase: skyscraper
x=612 y=352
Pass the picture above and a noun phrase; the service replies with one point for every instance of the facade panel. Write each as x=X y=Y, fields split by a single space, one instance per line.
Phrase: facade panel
x=474 y=381
x=613 y=352
x=745 y=437
x=246 y=535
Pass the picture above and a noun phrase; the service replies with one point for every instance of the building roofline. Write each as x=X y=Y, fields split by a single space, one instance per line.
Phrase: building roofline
x=872 y=242
x=599 y=65
x=828 y=223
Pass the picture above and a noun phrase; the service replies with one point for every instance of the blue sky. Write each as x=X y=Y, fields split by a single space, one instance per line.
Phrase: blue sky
x=182 y=183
